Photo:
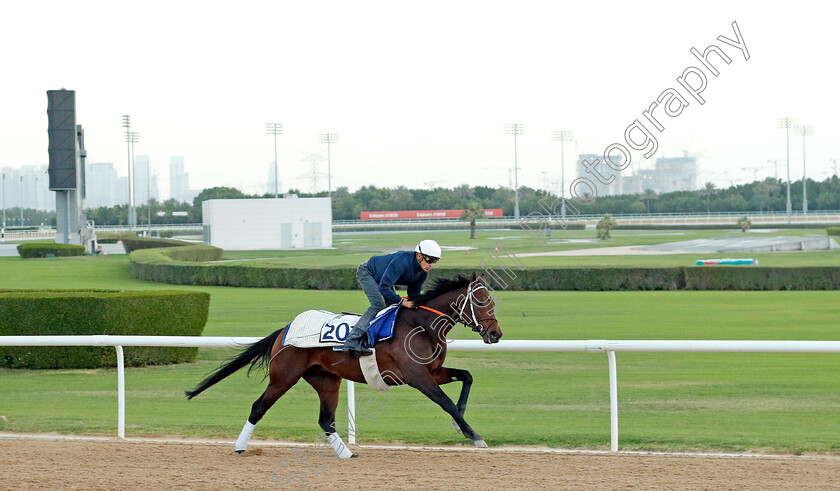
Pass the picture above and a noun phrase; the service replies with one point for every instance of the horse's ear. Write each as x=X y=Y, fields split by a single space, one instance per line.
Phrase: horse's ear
x=473 y=276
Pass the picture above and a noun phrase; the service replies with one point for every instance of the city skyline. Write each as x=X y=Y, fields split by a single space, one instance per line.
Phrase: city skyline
x=420 y=98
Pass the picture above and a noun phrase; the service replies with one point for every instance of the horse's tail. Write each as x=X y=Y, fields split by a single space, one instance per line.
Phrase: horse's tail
x=256 y=354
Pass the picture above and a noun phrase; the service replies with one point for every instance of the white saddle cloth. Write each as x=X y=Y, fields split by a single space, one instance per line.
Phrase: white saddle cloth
x=319 y=329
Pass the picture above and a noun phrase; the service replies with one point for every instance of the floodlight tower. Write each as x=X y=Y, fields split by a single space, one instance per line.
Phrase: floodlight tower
x=129 y=140
x=3 y=225
x=787 y=124
x=804 y=131
x=132 y=137
x=515 y=129
x=328 y=138
x=274 y=129
x=562 y=137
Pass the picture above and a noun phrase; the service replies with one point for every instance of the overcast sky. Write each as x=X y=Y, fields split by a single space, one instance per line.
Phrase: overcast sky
x=419 y=92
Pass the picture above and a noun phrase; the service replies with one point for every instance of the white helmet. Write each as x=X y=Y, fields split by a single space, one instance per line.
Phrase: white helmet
x=429 y=248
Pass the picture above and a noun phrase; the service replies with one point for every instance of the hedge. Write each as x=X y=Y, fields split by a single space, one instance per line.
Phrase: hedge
x=834 y=231
x=712 y=226
x=131 y=244
x=161 y=266
x=29 y=250
x=86 y=312
x=762 y=278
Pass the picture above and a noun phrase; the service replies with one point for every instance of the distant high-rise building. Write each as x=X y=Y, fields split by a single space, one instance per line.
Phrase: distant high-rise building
x=44 y=198
x=668 y=175
x=101 y=186
x=26 y=187
x=179 y=181
x=29 y=186
x=9 y=190
x=671 y=174
x=145 y=182
x=605 y=172
x=122 y=191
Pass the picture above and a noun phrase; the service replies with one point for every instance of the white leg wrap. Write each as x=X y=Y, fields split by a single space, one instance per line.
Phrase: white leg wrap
x=242 y=441
x=340 y=448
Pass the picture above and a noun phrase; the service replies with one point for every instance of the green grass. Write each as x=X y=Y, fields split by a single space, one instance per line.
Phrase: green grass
x=667 y=401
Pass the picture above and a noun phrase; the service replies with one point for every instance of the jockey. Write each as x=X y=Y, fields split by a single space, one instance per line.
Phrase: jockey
x=377 y=278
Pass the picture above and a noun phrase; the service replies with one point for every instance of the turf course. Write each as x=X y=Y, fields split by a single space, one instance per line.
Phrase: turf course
x=669 y=401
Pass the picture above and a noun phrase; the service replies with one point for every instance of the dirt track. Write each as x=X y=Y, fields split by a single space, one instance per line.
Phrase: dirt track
x=62 y=464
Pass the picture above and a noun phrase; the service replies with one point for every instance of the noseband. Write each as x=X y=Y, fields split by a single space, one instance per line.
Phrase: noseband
x=472 y=321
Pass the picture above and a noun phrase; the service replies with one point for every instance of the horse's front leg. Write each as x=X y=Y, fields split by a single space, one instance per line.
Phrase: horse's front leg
x=446 y=375
x=426 y=383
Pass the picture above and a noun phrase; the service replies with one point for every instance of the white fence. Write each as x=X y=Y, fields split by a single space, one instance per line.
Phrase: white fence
x=596 y=345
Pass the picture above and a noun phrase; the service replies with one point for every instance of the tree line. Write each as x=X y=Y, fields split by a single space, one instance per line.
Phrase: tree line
x=769 y=195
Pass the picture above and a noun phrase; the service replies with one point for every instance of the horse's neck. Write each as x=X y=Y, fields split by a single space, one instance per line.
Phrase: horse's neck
x=447 y=304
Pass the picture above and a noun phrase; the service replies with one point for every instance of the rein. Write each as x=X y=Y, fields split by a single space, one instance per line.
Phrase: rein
x=438 y=312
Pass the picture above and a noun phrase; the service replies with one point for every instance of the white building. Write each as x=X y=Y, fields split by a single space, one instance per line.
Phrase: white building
x=264 y=224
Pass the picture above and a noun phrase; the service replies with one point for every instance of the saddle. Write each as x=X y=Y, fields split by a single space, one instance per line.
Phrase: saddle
x=321 y=328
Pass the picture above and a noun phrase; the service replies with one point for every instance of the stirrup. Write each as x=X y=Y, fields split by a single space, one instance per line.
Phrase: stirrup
x=365 y=351
x=357 y=349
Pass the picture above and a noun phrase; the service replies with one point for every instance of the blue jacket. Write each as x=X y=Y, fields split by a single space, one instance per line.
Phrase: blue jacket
x=397 y=268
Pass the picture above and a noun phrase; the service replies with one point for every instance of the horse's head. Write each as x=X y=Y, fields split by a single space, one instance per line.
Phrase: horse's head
x=478 y=311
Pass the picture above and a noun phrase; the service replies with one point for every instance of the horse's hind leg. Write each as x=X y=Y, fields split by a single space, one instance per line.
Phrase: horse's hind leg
x=327 y=385
x=280 y=381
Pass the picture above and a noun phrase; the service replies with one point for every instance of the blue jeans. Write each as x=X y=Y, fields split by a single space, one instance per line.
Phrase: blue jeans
x=371 y=288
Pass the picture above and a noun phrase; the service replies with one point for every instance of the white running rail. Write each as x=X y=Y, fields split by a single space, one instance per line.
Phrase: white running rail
x=592 y=345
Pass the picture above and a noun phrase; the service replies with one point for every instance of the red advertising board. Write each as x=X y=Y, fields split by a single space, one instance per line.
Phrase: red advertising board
x=424 y=214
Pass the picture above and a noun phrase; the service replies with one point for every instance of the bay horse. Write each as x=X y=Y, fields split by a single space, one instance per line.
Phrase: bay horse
x=413 y=356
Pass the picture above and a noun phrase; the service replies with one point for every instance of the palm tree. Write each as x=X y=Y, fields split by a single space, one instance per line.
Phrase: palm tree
x=604 y=226
x=472 y=213
x=744 y=223
x=649 y=196
x=707 y=191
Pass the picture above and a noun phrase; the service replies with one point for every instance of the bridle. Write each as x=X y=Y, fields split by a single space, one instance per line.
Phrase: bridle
x=470 y=321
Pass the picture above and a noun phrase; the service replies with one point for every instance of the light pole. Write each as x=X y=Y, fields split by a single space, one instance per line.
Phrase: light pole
x=274 y=129
x=562 y=137
x=787 y=124
x=328 y=138
x=126 y=123
x=132 y=138
x=21 y=200
x=804 y=131
x=3 y=228
x=515 y=129
x=149 y=197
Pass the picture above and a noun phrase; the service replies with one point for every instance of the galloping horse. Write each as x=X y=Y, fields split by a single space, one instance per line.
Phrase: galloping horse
x=413 y=356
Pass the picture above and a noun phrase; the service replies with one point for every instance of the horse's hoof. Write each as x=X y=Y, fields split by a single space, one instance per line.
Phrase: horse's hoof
x=354 y=456
x=480 y=443
x=457 y=428
x=239 y=452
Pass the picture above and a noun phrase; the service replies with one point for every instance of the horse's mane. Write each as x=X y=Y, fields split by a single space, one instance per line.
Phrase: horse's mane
x=441 y=286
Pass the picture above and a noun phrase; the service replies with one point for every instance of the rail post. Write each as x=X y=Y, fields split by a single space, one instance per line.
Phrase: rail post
x=120 y=392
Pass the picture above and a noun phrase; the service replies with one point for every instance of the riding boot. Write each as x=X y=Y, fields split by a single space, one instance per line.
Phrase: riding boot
x=355 y=342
